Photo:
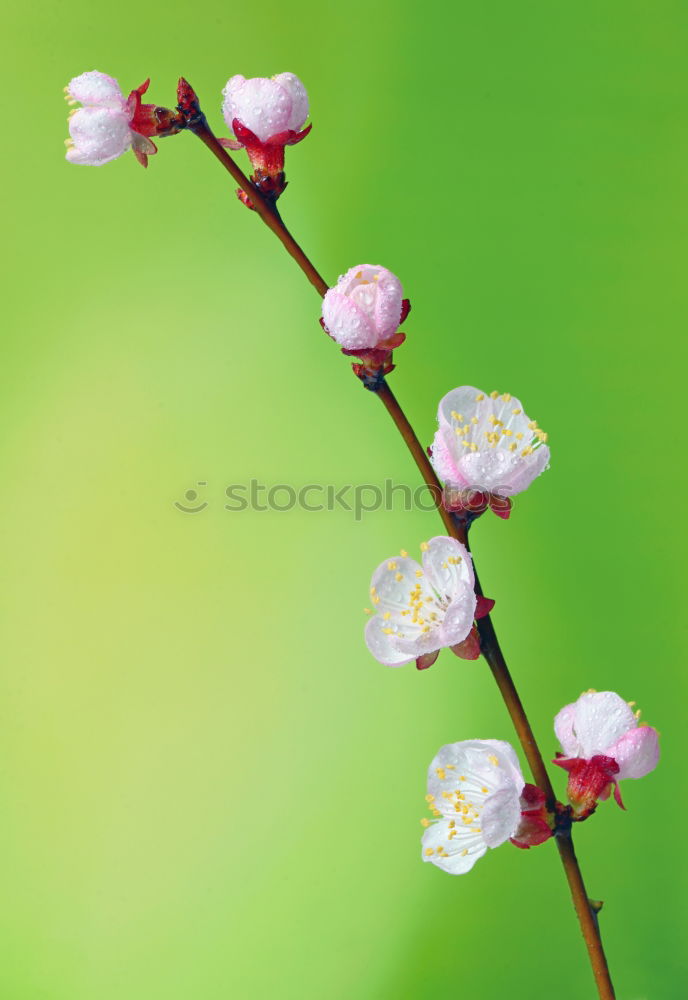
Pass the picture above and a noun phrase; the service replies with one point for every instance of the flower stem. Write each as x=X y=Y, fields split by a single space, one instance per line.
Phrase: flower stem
x=489 y=644
x=265 y=210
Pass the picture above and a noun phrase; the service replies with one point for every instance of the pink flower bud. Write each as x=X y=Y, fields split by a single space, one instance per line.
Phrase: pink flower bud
x=267 y=107
x=603 y=743
x=265 y=115
x=364 y=308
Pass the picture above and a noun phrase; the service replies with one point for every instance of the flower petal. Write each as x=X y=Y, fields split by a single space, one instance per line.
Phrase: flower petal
x=602 y=717
x=458 y=852
x=346 y=322
x=259 y=103
x=99 y=135
x=96 y=89
x=636 y=753
x=448 y=566
x=501 y=815
x=458 y=619
x=446 y=462
x=299 y=99
x=379 y=642
x=563 y=728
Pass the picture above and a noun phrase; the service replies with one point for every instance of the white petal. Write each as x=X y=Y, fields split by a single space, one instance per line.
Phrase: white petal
x=96 y=90
x=602 y=717
x=380 y=644
x=459 y=616
x=501 y=815
x=476 y=768
x=448 y=566
x=299 y=99
x=459 y=852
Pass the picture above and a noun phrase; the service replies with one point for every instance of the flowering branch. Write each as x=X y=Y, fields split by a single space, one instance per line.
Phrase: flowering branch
x=476 y=791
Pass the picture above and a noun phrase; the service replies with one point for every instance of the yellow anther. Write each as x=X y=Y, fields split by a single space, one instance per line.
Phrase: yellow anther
x=429 y=798
x=388 y=631
x=376 y=599
x=398 y=577
x=466 y=444
x=359 y=275
x=527 y=451
x=507 y=432
x=513 y=446
x=440 y=772
x=518 y=436
x=474 y=447
x=419 y=572
x=494 y=394
x=516 y=411
x=464 y=852
x=373 y=589
x=506 y=396
x=387 y=615
x=480 y=397
x=367 y=611
x=425 y=822
x=532 y=425
x=493 y=760
x=429 y=852
x=403 y=553
x=462 y=777
x=436 y=812
x=391 y=564
x=426 y=628
x=474 y=420
x=451 y=767
x=483 y=790
x=424 y=546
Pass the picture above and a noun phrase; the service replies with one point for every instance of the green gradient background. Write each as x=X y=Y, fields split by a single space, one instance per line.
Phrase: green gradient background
x=209 y=788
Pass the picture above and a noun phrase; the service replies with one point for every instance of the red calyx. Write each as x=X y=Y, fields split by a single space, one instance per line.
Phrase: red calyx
x=534 y=828
x=471 y=503
x=590 y=780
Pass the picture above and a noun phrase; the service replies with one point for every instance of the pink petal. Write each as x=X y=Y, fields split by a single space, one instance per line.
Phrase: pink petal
x=563 y=728
x=346 y=323
x=636 y=753
x=298 y=97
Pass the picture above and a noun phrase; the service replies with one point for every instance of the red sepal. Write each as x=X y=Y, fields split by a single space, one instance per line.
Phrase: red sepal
x=499 y=505
x=483 y=606
x=405 y=310
x=469 y=649
x=427 y=660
